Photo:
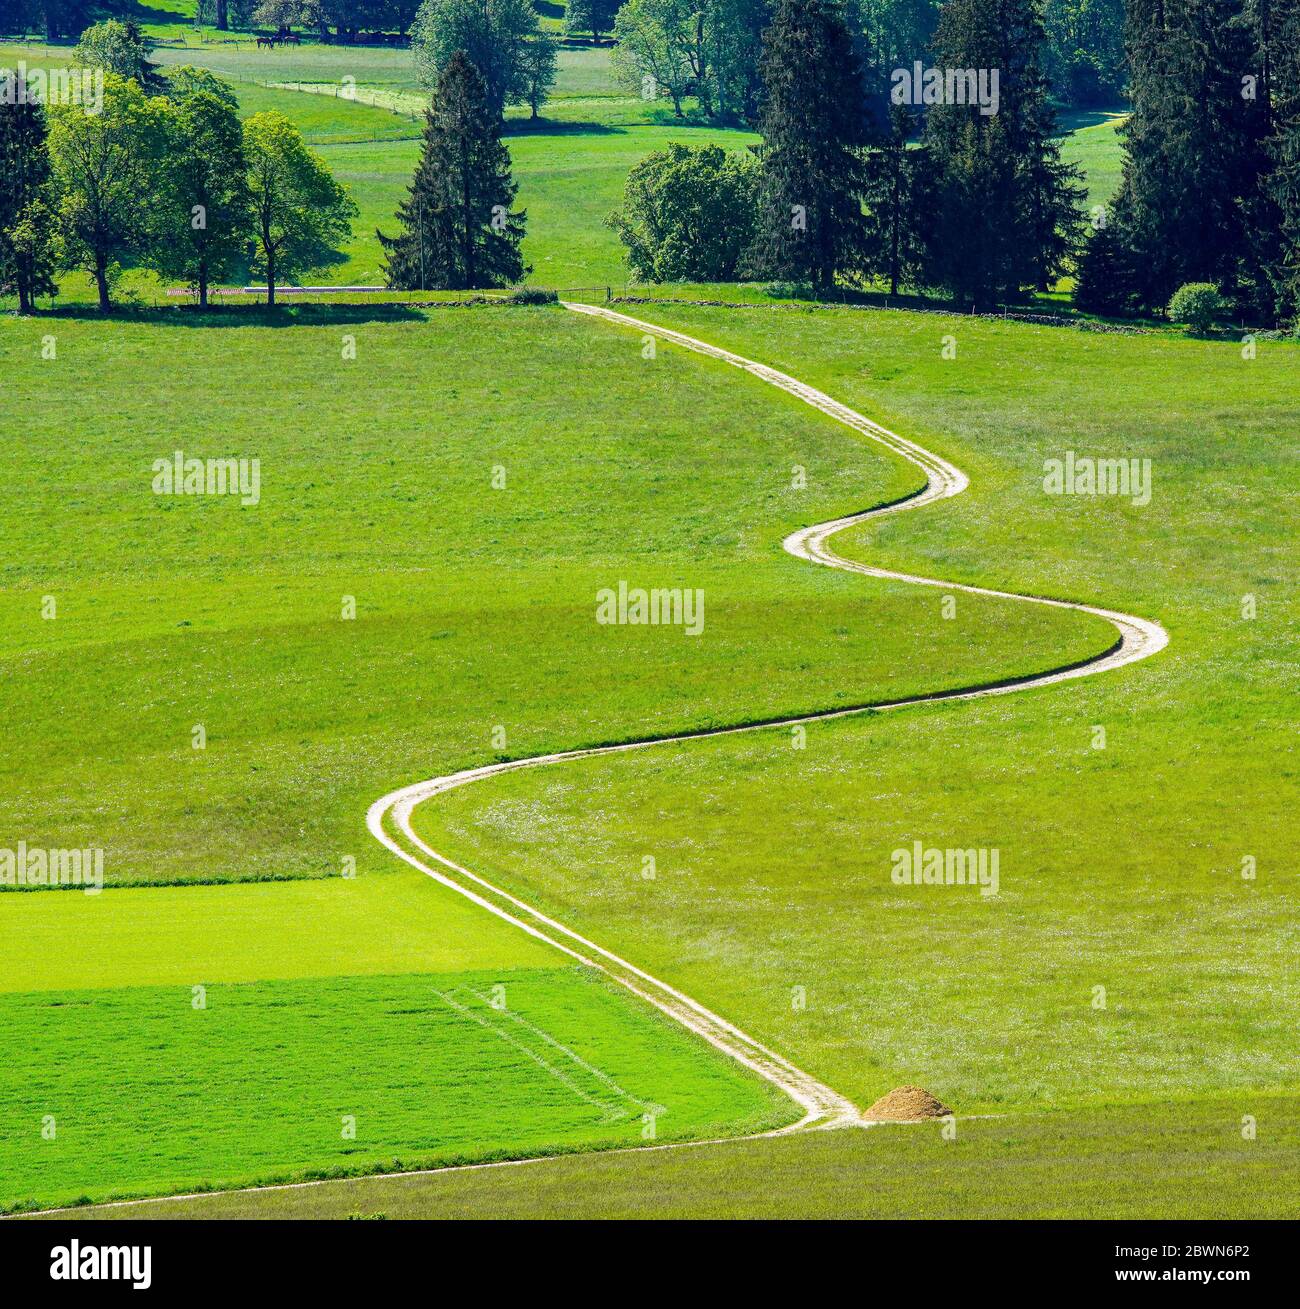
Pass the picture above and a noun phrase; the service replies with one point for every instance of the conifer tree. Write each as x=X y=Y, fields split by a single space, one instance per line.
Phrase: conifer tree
x=1008 y=209
x=26 y=221
x=458 y=228
x=1104 y=275
x=812 y=174
x=897 y=203
x=1194 y=145
x=1280 y=48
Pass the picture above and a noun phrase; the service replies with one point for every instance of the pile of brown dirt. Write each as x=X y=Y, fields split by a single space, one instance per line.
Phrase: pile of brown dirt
x=907 y=1104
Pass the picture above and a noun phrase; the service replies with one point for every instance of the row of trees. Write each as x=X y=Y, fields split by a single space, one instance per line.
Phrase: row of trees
x=1211 y=183
x=342 y=20
x=687 y=47
x=711 y=49
x=981 y=209
x=58 y=19
x=170 y=182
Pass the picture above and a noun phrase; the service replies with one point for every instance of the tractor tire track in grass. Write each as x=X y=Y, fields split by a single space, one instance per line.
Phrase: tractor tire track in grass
x=389 y=818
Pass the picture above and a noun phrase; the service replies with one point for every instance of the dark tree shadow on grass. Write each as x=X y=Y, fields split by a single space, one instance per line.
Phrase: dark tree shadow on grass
x=558 y=127
x=246 y=315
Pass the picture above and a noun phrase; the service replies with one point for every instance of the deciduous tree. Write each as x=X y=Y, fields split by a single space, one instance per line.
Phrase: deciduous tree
x=105 y=171
x=202 y=221
x=493 y=34
x=687 y=215
x=300 y=212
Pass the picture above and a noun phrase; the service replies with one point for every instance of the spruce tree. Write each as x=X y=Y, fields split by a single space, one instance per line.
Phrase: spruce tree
x=897 y=206
x=1194 y=145
x=26 y=223
x=1104 y=275
x=1008 y=210
x=812 y=174
x=1281 y=183
x=458 y=230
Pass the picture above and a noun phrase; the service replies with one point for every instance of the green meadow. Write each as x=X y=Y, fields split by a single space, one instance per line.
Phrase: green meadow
x=474 y=611
x=1095 y=146
x=213 y=693
x=136 y=1090
x=475 y=607
x=1121 y=855
x=1134 y=1162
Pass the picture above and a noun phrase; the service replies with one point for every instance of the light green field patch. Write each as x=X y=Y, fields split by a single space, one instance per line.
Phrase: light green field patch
x=192 y=935
x=1098 y=149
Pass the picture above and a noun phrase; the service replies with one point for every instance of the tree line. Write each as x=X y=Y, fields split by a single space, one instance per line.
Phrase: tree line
x=1210 y=191
x=172 y=182
x=704 y=49
x=975 y=204
x=711 y=49
x=971 y=199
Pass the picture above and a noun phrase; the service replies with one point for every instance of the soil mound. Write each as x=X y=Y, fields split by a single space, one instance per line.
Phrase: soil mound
x=907 y=1104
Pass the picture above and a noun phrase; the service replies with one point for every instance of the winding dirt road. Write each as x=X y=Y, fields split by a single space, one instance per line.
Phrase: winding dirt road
x=389 y=818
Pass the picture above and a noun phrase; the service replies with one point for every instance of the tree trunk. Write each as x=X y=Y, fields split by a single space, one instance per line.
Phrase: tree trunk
x=270 y=279
x=203 y=285
x=467 y=222
x=223 y=19
x=101 y=283
x=24 y=298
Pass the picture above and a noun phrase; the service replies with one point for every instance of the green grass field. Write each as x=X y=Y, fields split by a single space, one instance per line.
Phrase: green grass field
x=1095 y=146
x=1136 y=1162
x=289 y=1079
x=475 y=607
x=415 y=592
x=989 y=1002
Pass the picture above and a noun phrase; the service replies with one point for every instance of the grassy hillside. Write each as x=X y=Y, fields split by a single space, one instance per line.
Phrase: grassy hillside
x=475 y=606
x=475 y=611
x=1121 y=864
x=213 y=692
